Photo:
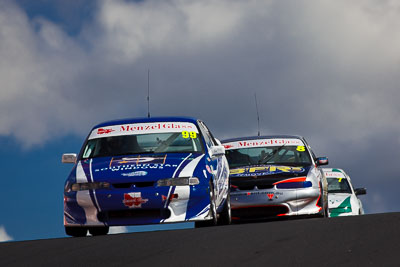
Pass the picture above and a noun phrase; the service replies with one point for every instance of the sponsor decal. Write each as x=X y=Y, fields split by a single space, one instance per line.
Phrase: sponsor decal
x=270 y=195
x=137 y=167
x=264 y=143
x=139 y=159
x=104 y=131
x=334 y=174
x=146 y=128
x=134 y=200
x=137 y=173
x=137 y=163
x=265 y=170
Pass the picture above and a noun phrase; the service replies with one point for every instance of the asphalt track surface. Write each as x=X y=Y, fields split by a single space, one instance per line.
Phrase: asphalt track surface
x=368 y=240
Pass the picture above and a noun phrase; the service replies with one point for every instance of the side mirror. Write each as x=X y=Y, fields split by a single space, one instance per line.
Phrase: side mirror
x=68 y=158
x=322 y=161
x=360 y=191
x=217 y=151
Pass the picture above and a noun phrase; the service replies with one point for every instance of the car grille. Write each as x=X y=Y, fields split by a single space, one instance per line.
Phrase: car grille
x=134 y=213
x=135 y=184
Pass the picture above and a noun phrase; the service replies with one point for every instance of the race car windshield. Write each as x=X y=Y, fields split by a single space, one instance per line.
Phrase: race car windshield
x=274 y=155
x=176 y=142
x=338 y=185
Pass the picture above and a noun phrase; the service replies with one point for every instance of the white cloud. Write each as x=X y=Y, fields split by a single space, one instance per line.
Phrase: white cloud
x=340 y=58
x=3 y=235
x=118 y=230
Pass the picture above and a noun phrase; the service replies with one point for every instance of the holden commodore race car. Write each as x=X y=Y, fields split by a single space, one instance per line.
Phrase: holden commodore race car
x=275 y=176
x=146 y=171
x=342 y=198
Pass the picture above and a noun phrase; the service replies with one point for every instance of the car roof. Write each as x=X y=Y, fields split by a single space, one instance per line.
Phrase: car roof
x=261 y=137
x=144 y=120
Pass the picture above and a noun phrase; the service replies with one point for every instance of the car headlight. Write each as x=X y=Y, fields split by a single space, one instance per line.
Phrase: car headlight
x=89 y=186
x=179 y=181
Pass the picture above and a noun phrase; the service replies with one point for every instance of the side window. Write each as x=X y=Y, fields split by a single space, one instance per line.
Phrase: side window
x=207 y=134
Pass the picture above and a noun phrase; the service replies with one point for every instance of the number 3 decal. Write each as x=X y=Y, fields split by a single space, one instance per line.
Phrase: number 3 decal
x=186 y=134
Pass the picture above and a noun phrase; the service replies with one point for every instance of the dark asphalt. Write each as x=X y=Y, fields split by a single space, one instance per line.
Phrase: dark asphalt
x=368 y=240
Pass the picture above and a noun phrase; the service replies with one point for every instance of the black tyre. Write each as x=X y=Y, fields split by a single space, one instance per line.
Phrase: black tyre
x=326 y=214
x=213 y=211
x=76 y=231
x=225 y=217
x=98 y=230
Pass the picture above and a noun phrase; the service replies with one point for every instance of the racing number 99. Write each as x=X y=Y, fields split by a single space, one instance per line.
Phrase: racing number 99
x=187 y=134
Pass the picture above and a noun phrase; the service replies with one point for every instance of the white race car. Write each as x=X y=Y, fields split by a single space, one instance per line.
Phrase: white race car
x=342 y=198
x=273 y=176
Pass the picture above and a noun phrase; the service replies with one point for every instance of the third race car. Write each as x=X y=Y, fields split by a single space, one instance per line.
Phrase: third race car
x=342 y=197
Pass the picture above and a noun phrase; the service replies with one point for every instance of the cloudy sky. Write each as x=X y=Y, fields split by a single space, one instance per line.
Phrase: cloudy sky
x=327 y=70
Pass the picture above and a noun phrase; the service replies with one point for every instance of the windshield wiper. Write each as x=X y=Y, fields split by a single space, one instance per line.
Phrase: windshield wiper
x=165 y=144
x=270 y=156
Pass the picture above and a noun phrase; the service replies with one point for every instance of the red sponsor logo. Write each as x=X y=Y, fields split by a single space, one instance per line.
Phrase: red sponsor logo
x=134 y=200
x=155 y=126
x=104 y=131
x=270 y=195
x=228 y=146
x=269 y=142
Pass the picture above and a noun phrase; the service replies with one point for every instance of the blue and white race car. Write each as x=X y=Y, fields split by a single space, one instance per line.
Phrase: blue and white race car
x=342 y=197
x=275 y=176
x=146 y=171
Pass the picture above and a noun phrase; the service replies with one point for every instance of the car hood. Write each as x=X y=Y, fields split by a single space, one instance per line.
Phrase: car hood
x=139 y=168
x=336 y=200
x=269 y=170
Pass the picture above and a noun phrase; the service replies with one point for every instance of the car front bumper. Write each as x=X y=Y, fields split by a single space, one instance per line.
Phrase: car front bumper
x=136 y=207
x=253 y=204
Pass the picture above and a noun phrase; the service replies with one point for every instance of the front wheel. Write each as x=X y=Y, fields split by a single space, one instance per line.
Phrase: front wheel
x=323 y=202
x=225 y=217
x=212 y=212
